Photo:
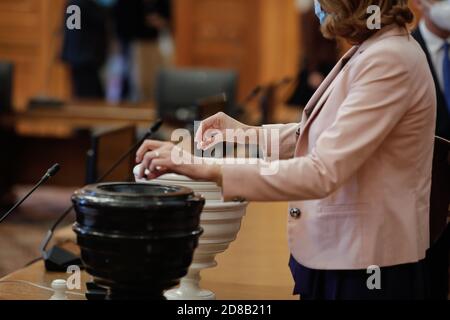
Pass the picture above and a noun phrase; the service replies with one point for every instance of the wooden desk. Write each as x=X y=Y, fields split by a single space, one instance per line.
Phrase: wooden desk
x=40 y=137
x=254 y=267
x=63 y=122
x=34 y=273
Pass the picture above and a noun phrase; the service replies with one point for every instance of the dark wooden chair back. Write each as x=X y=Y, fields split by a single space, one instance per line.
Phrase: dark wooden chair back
x=440 y=188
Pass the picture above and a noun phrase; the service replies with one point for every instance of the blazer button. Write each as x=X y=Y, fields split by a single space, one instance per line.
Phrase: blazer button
x=295 y=213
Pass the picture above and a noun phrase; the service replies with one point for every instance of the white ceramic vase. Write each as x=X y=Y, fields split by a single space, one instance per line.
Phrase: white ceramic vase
x=221 y=222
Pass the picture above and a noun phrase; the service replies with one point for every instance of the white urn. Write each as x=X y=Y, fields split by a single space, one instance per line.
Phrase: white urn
x=221 y=222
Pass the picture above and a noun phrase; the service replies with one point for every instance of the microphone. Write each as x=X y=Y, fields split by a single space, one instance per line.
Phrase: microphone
x=260 y=88
x=58 y=259
x=283 y=81
x=50 y=173
x=253 y=94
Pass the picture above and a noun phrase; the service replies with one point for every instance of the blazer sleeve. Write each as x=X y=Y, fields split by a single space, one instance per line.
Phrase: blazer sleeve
x=279 y=140
x=376 y=102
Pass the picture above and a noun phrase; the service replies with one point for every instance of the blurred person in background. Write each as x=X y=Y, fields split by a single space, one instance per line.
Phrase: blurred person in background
x=141 y=27
x=433 y=34
x=85 y=50
x=319 y=55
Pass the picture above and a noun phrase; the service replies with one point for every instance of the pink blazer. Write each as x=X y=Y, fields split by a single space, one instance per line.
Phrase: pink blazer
x=357 y=169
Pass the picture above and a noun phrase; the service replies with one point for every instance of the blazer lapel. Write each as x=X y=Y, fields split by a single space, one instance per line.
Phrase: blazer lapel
x=318 y=99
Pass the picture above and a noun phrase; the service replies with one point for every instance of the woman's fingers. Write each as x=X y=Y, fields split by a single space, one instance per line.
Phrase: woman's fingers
x=160 y=165
x=156 y=174
x=147 y=160
x=211 y=140
x=199 y=133
x=148 y=145
x=157 y=168
x=157 y=159
x=212 y=122
x=143 y=167
x=210 y=137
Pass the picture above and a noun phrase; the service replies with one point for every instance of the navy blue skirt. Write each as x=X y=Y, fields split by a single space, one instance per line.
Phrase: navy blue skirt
x=403 y=282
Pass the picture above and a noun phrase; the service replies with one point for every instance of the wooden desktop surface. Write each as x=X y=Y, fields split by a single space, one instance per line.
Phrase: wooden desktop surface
x=64 y=121
x=42 y=136
x=255 y=267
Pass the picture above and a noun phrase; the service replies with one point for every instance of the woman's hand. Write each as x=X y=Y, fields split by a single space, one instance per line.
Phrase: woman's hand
x=213 y=130
x=158 y=158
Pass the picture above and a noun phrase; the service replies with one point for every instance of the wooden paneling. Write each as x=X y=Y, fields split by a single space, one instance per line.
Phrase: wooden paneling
x=258 y=38
x=30 y=37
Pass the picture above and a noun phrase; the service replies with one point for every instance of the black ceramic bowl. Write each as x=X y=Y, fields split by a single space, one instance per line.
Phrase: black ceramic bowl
x=137 y=240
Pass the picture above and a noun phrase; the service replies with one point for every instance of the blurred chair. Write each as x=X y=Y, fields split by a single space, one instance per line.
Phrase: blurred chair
x=108 y=145
x=7 y=137
x=440 y=188
x=6 y=82
x=438 y=254
x=182 y=94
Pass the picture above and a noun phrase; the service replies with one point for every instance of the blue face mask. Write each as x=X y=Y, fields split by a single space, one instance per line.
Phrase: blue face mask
x=106 y=3
x=322 y=15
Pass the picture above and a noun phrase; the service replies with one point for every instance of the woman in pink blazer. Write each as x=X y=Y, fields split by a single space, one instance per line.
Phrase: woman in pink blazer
x=356 y=170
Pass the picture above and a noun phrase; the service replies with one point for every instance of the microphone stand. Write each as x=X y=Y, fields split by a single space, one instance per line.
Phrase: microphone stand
x=58 y=259
x=267 y=100
x=50 y=173
x=266 y=91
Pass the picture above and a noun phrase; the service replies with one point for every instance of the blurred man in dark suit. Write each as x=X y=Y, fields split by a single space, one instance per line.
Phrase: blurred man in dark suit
x=85 y=50
x=433 y=34
x=434 y=38
x=139 y=24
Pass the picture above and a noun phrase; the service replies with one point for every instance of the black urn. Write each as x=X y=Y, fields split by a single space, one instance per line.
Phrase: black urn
x=137 y=240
